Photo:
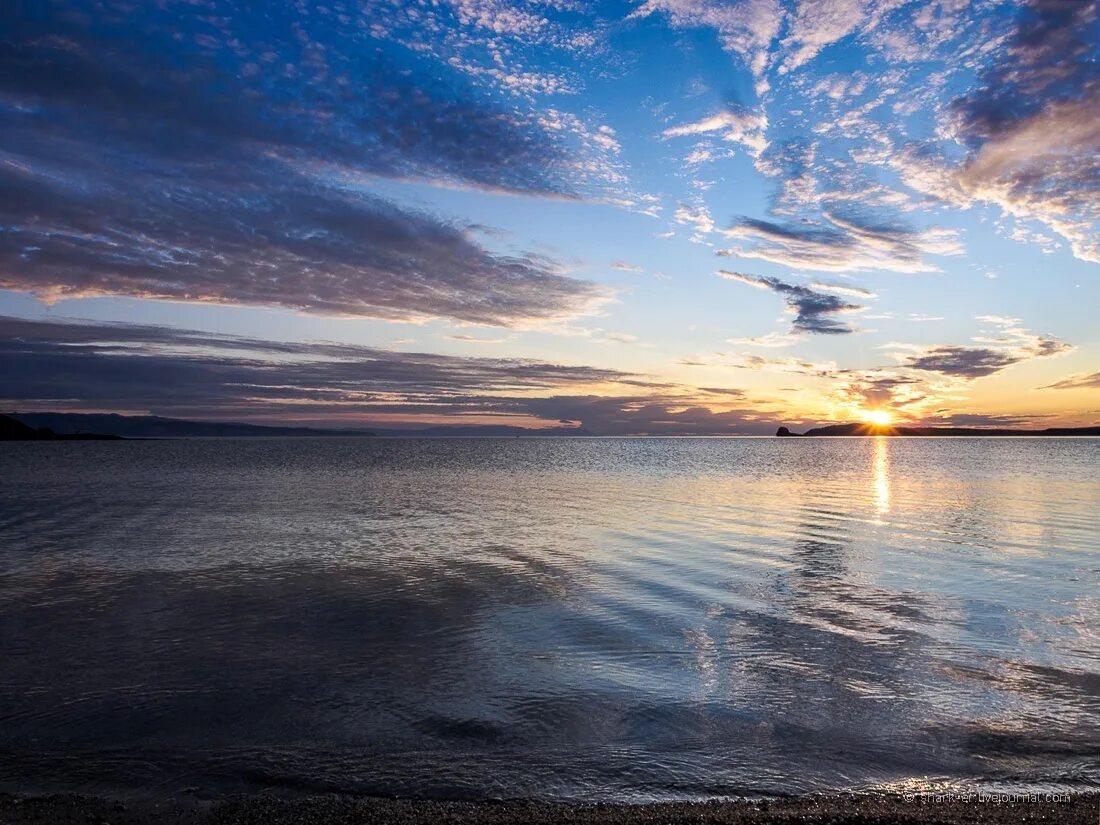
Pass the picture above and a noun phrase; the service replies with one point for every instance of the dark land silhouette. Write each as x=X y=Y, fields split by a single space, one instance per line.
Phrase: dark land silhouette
x=154 y=426
x=12 y=429
x=51 y=426
x=861 y=429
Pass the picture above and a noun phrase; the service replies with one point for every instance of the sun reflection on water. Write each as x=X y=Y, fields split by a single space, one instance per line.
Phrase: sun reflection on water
x=881 y=471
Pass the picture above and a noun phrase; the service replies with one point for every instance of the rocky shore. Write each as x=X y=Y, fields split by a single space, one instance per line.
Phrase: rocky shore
x=262 y=809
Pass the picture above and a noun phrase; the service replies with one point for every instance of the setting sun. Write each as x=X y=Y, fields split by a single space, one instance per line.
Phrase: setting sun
x=880 y=418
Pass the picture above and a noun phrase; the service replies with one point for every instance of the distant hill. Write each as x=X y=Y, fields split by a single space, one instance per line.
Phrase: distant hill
x=153 y=426
x=485 y=431
x=931 y=432
x=13 y=430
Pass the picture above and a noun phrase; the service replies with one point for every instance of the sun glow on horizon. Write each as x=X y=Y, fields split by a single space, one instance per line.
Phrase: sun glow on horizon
x=879 y=418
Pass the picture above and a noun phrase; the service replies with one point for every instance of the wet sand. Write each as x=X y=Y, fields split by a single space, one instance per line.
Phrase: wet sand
x=344 y=810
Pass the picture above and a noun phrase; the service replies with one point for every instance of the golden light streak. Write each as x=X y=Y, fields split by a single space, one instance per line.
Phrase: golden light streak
x=881 y=474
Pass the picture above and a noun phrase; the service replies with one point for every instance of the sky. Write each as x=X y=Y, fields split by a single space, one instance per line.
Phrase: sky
x=662 y=217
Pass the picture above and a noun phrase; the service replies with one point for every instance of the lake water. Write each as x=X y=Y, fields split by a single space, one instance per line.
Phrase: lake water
x=574 y=618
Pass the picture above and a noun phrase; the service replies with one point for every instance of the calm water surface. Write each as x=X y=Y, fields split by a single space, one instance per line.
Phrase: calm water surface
x=620 y=618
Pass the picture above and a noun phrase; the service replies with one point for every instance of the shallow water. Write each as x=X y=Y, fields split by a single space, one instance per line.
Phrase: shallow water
x=581 y=618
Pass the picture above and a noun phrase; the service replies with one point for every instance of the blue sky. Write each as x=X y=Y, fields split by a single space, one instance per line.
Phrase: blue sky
x=676 y=216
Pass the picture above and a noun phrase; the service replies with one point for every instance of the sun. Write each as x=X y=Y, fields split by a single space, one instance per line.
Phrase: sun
x=879 y=418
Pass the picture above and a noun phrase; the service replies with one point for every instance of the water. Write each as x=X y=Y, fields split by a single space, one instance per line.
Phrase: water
x=619 y=619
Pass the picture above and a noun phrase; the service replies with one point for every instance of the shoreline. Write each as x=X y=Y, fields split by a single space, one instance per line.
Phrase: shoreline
x=276 y=809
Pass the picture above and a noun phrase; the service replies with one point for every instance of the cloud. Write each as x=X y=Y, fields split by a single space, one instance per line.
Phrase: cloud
x=1030 y=129
x=928 y=381
x=697 y=216
x=815 y=312
x=966 y=362
x=840 y=244
x=771 y=340
x=473 y=339
x=736 y=125
x=221 y=160
x=140 y=364
x=640 y=415
x=792 y=161
x=496 y=41
x=844 y=289
x=626 y=266
x=1081 y=381
x=313 y=250
x=943 y=419
x=1010 y=344
x=745 y=27
x=750 y=28
x=619 y=338
x=909 y=393
x=841 y=86
x=139 y=369
x=795 y=366
x=82 y=82
x=816 y=24
x=499 y=18
x=1047 y=167
x=1050 y=56
x=703 y=153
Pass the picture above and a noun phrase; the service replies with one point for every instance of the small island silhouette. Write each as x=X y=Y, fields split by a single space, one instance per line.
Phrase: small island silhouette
x=863 y=429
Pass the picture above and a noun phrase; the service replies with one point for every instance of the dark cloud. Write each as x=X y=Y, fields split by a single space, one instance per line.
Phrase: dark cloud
x=49 y=365
x=1076 y=382
x=965 y=362
x=735 y=393
x=1010 y=345
x=942 y=418
x=221 y=157
x=647 y=415
x=814 y=311
x=1049 y=346
x=146 y=367
x=309 y=249
x=1050 y=56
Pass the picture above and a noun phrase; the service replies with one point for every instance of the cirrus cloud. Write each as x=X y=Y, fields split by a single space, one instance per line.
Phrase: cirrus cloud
x=840 y=244
x=735 y=124
x=1081 y=381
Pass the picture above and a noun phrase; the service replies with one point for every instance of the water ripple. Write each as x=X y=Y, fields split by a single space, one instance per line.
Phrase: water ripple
x=583 y=618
